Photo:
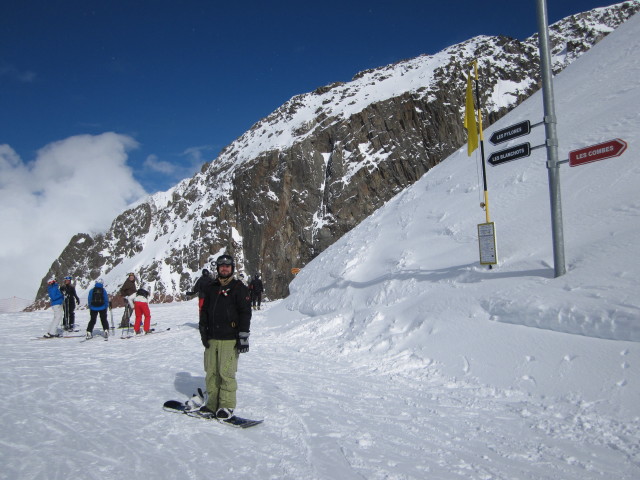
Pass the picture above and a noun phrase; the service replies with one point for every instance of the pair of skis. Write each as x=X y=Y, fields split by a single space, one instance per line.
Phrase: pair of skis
x=58 y=336
x=141 y=334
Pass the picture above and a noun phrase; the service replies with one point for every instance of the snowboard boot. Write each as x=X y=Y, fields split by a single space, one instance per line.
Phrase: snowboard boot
x=89 y=335
x=205 y=412
x=224 y=413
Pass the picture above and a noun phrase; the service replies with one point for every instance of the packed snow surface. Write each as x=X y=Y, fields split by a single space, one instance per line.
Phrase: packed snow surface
x=396 y=356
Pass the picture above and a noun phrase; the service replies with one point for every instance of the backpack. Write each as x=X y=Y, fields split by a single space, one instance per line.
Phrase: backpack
x=143 y=292
x=97 y=297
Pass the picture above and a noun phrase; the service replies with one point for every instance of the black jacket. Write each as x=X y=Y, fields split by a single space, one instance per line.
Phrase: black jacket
x=226 y=311
x=201 y=286
x=70 y=291
x=256 y=285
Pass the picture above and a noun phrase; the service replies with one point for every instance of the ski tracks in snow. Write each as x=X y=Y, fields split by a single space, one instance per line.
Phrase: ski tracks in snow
x=328 y=418
x=94 y=410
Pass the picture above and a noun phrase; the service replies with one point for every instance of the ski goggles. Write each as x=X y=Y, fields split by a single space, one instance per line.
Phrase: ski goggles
x=67 y=278
x=224 y=261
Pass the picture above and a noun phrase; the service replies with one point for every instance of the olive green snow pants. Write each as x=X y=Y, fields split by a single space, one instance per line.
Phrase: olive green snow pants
x=220 y=365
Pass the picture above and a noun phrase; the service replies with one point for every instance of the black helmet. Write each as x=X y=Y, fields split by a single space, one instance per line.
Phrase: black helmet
x=225 y=260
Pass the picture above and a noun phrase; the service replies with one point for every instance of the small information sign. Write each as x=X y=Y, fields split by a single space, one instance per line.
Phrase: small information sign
x=487 y=243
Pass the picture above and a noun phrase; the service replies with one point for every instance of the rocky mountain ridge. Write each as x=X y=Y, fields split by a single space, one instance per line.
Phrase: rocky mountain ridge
x=313 y=169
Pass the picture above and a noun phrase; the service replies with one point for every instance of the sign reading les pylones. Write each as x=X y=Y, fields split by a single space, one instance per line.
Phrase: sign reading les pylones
x=612 y=148
x=514 y=131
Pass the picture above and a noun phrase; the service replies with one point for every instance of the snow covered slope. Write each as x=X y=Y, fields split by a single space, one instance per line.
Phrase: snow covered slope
x=407 y=280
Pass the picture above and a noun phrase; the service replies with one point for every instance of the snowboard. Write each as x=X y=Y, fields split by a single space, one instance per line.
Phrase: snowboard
x=238 y=422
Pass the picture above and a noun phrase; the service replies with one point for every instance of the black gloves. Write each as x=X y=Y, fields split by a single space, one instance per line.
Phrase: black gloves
x=190 y=294
x=205 y=342
x=242 y=344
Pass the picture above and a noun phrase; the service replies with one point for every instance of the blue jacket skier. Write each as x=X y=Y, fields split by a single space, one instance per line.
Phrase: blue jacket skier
x=98 y=302
x=56 y=297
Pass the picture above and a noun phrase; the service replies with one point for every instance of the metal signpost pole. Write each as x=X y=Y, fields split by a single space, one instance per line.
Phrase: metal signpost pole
x=551 y=140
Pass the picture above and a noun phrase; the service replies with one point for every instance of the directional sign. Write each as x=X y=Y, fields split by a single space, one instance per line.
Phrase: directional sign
x=612 y=148
x=508 y=154
x=514 y=131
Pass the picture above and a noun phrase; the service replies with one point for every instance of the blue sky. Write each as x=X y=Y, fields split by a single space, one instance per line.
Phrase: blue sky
x=185 y=78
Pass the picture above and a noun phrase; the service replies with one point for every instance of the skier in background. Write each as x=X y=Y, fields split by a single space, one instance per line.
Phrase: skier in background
x=128 y=288
x=98 y=302
x=225 y=319
x=140 y=304
x=201 y=285
x=256 y=287
x=56 y=297
x=71 y=299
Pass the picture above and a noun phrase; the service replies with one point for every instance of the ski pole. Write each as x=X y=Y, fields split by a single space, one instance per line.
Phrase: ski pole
x=113 y=328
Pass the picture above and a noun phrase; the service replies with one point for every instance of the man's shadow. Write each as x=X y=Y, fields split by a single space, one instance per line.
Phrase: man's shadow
x=188 y=384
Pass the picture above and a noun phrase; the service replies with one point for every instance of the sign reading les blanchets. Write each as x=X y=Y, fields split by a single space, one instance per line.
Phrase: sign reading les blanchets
x=509 y=154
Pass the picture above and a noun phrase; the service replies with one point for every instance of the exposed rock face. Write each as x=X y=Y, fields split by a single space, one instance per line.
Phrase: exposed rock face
x=313 y=169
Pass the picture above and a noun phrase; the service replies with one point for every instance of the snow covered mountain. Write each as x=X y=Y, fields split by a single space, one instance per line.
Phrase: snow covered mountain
x=396 y=356
x=316 y=167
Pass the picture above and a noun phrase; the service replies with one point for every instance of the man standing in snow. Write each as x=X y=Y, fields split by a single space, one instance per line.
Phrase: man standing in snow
x=70 y=300
x=56 y=298
x=98 y=302
x=128 y=288
x=256 y=286
x=225 y=319
x=201 y=286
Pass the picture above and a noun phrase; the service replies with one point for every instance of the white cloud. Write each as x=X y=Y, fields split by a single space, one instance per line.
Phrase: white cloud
x=185 y=165
x=11 y=72
x=196 y=155
x=74 y=185
x=152 y=162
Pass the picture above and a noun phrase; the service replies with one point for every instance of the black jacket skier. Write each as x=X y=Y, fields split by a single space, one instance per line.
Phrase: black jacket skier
x=71 y=299
x=202 y=284
x=224 y=324
x=256 y=287
x=226 y=311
